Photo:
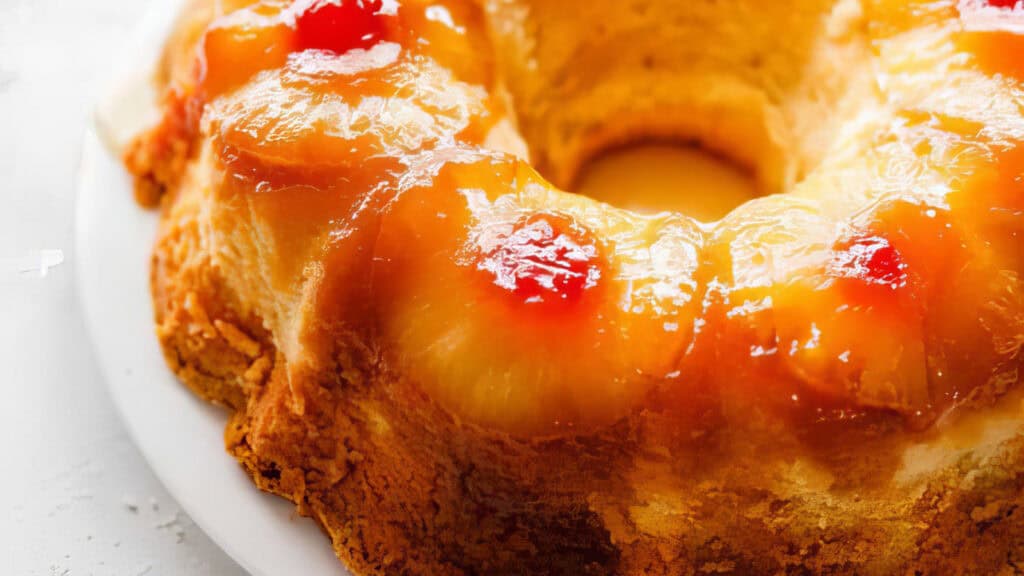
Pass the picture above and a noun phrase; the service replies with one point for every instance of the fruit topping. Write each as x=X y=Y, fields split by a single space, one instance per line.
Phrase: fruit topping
x=338 y=25
x=545 y=259
x=328 y=110
x=994 y=34
x=242 y=43
x=261 y=37
x=869 y=260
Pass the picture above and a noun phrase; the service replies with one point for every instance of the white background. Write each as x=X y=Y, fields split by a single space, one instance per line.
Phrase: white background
x=76 y=498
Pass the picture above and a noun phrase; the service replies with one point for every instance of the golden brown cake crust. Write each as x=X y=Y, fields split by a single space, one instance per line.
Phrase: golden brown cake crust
x=403 y=486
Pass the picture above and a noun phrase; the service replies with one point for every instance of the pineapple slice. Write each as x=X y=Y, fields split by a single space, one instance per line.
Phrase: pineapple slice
x=241 y=43
x=263 y=35
x=324 y=110
x=527 y=309
x=814 y=314
x=994 y=35
x=453 y=32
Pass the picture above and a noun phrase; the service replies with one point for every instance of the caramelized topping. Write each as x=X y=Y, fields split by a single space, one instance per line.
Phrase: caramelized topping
x=356 y=125
x=996 y=39
x=324 y=109
x=998 y=52
x=546 y=259
x=261 y=37
x=242 y=43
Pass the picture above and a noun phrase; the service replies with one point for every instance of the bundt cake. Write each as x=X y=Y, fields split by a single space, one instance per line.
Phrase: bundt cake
x=455 y=367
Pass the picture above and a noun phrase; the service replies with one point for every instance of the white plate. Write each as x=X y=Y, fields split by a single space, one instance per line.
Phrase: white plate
x=180 y=436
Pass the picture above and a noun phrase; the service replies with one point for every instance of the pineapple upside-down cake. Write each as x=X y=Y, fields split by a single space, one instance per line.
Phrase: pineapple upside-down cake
x=456 y=367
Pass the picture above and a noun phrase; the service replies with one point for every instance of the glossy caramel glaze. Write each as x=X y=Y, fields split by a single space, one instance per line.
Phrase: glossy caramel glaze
x=386 y=272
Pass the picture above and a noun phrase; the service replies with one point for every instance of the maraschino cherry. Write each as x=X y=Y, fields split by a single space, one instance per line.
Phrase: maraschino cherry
x=338 y=25
x=547 y=259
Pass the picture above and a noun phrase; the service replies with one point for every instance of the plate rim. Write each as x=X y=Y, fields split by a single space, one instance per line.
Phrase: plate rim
x=96 y=163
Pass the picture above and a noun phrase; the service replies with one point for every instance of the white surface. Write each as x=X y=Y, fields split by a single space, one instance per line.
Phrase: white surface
x=76 y=498
x=179 y=435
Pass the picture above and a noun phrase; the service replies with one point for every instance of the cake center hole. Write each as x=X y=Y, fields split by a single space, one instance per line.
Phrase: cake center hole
x=653 y=177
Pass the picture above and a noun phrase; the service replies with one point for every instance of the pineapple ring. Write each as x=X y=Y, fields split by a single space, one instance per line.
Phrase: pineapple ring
x=532 y=311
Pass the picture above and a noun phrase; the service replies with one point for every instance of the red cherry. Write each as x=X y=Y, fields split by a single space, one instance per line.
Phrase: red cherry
x=871 y=260
x=545 y=259
x=339 y=25
x=1001 y=3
